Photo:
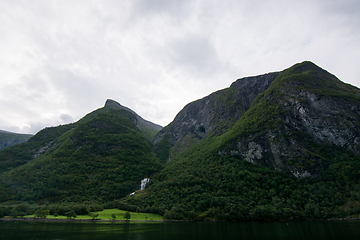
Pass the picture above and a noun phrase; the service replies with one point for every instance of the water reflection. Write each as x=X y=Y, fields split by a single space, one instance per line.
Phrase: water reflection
x=181 y=230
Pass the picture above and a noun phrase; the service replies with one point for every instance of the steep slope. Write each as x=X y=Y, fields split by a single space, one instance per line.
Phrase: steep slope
x=148 y=128
x=293 y=153
x=8 y=139
x=36 y=146
x=101 y=157
x=304 y=113
x=210 y=116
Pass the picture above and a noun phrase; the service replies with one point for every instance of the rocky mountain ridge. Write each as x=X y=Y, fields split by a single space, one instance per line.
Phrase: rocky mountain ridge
x=290 y=116
x=215 y=114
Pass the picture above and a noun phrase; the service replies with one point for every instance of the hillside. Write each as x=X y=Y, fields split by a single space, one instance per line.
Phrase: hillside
x=101 y=157
x=8 y=139
x=290 y=152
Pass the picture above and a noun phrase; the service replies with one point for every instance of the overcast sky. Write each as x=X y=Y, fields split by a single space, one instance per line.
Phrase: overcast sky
x=60 y=60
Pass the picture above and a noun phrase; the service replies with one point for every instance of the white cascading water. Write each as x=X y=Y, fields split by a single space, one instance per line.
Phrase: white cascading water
x=142 y=186
x=144 y=182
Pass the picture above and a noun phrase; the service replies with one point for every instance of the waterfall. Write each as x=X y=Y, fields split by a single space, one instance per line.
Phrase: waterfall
x=144 y=182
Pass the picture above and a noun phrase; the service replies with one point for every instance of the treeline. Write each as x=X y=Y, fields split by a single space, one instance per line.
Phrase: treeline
x=66 y=209
x=22 y=209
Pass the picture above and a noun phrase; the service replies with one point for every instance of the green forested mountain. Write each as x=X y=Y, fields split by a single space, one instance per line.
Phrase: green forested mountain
x=101 y=157
x=8 y=139
x=283 y=145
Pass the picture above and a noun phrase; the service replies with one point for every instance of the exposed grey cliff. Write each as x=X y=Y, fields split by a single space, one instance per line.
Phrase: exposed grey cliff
x=214 y=114
x=310 y=121
x=314 y=114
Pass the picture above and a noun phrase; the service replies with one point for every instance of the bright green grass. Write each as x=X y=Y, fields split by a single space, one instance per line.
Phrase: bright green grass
x=106 y=215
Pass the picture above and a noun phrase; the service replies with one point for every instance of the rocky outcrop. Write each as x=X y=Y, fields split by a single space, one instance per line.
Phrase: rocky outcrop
x=313 y=111
x=309 y=121
x=214 y=114
x=327 y=120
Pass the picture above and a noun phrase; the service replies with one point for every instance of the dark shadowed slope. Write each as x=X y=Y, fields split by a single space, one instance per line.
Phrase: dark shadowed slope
x=8 y=139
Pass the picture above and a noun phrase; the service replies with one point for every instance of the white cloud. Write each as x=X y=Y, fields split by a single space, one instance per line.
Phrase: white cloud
x=63 y=59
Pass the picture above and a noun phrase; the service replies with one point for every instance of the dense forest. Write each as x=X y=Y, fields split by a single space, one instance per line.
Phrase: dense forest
x=226 y=188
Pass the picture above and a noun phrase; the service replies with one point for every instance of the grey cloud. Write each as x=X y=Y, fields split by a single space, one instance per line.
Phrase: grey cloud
x=66 y=118
x=196 y=54
x=173 y=7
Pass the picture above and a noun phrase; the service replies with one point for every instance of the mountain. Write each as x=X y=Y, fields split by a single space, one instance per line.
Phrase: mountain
x=277 y=120
x=101 y=157
x=283 y=145
x=305 y=111
x=8 y=139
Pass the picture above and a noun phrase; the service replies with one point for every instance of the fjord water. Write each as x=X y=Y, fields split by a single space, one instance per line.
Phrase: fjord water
x=181 y=230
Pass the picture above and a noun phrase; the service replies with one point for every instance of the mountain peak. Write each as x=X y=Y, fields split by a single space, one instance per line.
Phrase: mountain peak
x=111 y=103
x=148 y=128
x=306 y=66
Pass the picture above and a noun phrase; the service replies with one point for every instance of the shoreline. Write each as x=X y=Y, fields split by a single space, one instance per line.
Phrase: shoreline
x=33 y=219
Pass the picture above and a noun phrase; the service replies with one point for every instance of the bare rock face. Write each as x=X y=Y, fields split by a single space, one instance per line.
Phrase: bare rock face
x=315 y=113
x=325 y=119
x=215 y=114
x=308 y=123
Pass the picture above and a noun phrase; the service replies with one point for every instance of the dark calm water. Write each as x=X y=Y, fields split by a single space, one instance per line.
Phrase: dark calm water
x=194 y=230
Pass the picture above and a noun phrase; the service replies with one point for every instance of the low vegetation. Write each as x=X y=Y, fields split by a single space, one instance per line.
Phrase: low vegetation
x=74 y=212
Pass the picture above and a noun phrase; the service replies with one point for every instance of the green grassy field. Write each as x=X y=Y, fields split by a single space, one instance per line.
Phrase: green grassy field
x=106 y=215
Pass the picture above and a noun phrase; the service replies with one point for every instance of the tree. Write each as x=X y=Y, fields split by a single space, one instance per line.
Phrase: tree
x=113 y=216
x=70 y=214
x=14 y=213
x=127 y=215
x=41 y=213
x=93 y=215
